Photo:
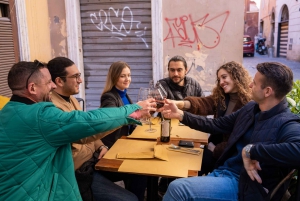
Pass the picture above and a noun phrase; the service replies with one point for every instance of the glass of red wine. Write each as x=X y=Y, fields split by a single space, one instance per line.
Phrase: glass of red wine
x=160 y=97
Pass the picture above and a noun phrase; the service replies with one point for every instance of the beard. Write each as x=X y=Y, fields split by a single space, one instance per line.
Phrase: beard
x=180 y=80
x=47 y=97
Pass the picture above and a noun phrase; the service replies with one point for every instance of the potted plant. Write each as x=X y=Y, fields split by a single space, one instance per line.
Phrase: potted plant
x=293 y=99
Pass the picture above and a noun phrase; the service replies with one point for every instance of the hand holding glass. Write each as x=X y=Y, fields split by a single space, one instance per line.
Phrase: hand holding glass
x=144 y=94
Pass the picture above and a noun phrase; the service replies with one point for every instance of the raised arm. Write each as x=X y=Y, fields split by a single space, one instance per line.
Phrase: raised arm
x=197 y=105
x=216 y=126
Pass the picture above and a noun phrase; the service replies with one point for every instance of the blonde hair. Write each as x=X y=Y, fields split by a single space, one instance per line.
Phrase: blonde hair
x=241 y=79
x=113 y=74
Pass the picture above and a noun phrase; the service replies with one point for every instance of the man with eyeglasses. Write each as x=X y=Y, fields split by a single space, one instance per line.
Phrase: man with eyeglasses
x=66 y=76
x=35 y=156
x=178 y=85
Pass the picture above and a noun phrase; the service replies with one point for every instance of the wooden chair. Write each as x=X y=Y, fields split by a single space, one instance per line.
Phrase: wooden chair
x=3 y=101
x=81 y=101
x=289 y=176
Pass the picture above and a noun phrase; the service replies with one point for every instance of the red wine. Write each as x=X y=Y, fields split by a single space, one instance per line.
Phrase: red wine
x=159 y=105
x=165 y=139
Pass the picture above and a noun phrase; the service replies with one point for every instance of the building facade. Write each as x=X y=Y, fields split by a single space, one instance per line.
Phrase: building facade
x=280 y=25
x=9 y=47
x=144 y=33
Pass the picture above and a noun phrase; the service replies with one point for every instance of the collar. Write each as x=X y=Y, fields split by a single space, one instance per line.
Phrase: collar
x=121 y=93
x=280 y=107
x=66 y=98
x=20 y=99
x=233 y=96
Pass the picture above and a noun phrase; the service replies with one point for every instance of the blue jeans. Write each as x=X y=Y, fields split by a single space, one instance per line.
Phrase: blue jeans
x=104 y=189
x=218 y=185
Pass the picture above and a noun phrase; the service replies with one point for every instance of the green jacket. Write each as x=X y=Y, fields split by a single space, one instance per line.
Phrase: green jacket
x=35 y=155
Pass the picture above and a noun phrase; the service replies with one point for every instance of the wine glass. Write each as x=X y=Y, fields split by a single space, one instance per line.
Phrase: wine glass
x=160 y=95
x=145 y=93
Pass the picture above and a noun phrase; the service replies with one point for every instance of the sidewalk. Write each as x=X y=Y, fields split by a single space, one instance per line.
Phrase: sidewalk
x=251 y=62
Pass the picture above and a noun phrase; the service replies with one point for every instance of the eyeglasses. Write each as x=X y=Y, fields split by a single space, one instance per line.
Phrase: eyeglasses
x=38 y=64
x=76 y=76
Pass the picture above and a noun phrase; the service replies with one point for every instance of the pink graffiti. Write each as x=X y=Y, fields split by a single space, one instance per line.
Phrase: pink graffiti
x=184 y=31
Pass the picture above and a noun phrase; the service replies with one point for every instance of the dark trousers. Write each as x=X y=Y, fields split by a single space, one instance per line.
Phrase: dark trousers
x=106 y=190
x=134 y=183
x=208 y=162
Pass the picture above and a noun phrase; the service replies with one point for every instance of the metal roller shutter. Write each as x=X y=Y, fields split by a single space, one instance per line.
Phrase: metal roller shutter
x=283 y=40
x=7 y=52
x=114 y=30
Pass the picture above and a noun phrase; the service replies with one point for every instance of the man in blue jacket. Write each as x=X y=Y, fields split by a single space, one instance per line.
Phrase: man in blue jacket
x=35 y=156
x=263 y=147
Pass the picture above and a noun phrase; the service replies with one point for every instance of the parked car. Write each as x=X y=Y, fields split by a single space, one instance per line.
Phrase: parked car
x=248 y=46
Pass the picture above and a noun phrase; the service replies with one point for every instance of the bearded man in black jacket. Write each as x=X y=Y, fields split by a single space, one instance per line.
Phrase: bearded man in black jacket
x=263 y=147
x=178 y=85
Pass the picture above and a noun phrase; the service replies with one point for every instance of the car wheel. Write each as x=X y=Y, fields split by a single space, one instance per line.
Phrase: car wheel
x=252 y=55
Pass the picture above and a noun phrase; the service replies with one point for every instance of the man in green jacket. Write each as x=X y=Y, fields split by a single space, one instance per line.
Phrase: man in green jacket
x=35 y=156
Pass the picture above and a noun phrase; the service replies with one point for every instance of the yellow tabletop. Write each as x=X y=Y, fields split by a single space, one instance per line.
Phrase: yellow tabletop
x=177 y=131
x=178 y=164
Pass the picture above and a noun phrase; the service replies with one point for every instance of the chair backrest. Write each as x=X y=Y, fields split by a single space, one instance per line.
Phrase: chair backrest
x=289 y=176
x=81 y=102
x=298 y=186
x=3 y=101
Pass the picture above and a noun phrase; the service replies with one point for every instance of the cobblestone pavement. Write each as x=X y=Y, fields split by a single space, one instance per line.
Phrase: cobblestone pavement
x=251 y=62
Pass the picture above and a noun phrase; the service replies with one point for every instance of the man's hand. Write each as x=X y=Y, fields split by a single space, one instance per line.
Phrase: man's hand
x=102 y=152
x=147 y=106
x=170 y=110
x=251 y=167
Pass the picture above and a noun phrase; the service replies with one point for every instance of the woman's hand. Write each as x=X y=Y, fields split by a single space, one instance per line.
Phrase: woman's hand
x=179 y=103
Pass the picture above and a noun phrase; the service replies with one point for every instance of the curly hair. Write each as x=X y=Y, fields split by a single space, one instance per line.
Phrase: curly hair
x=241 y=79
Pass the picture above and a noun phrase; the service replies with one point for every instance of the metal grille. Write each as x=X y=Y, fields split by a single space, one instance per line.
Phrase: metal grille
x=283 y=40
x=115 y=30
x=7 y=53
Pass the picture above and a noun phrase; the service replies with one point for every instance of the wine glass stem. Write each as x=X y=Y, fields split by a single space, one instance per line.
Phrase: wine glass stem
x=162 y=117
x=150 y=123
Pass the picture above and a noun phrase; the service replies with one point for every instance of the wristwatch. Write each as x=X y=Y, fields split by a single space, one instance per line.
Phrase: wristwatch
x=247 y=149
x=101 y=147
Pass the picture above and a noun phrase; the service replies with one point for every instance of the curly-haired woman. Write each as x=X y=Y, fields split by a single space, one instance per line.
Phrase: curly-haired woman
x=230 y=94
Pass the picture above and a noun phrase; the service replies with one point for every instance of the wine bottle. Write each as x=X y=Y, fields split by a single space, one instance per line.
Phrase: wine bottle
x=165 y=131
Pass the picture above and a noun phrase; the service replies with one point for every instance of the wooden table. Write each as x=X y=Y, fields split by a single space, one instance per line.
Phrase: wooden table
x=177 y=132
x=113 y=165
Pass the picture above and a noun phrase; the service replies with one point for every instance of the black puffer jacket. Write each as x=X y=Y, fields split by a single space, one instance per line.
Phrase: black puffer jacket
x=176 y=92
x=276 y=138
